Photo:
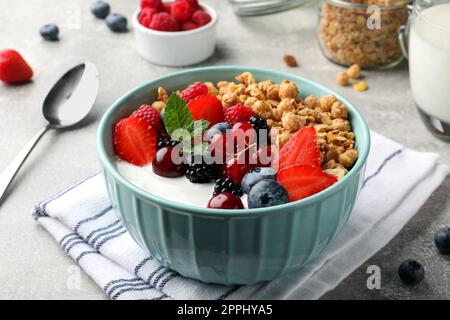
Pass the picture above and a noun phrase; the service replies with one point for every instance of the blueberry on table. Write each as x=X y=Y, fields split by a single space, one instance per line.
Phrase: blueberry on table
x=411 y=272
x=442 y=240
x=49 y=32
x=116 y=22
x=100 y=9
x=267 y=193
x=255 y=175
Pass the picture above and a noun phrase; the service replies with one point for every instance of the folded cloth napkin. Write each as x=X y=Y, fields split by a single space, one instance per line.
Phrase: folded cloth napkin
x=398 y=181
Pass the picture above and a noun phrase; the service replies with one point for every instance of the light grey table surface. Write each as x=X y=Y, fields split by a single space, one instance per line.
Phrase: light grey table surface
x=32 y=266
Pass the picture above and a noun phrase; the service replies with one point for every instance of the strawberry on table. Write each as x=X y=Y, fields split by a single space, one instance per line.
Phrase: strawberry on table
x=13 y=67
x=134 y=141
x=208 y=108
x=302 y=181
x=301 y=149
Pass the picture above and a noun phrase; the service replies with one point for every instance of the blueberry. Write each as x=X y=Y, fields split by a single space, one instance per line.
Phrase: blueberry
x=255 y=175
x=49 y=32
x=411 y=272
x=266 y=193
x=218 y=128
x=100 y=9
x=442 y=240
x=116 y=22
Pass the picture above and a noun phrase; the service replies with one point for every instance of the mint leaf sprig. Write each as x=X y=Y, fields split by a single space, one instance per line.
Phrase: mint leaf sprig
x=178 y=120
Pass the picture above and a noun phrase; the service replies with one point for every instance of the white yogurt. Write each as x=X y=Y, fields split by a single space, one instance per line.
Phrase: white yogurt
x=429 y=61
x=179 y=189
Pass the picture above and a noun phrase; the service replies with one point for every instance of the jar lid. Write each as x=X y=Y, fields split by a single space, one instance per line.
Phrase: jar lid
x=364 y=4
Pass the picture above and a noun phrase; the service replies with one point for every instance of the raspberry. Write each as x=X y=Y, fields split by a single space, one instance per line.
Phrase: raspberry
x=146 y=15
x=188 y=25
x=193 y=91
x=162 y=21
x=193 y=3
x=181 y=11
x=157 y=4
x=168 y=7
x=149 y=114
x=238 y=113
x=200 y=18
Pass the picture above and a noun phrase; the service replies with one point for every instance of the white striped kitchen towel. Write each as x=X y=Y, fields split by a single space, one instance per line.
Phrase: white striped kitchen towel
x=398 y=182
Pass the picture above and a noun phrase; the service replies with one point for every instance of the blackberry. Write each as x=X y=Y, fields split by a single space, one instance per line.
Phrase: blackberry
x=260 y=124
x=201 y=172
x=166 y=142
x=227 y=185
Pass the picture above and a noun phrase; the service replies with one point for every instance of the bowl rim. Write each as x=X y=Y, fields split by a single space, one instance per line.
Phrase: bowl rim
x=191 y=209
x=209 y=25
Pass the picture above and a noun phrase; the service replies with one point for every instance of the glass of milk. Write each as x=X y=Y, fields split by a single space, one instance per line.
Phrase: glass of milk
x=428 y=52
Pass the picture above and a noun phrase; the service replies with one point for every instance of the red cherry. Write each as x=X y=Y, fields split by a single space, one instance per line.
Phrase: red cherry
x=243 y=135
x=225 y=200
x=168 y=163
x=236 y=169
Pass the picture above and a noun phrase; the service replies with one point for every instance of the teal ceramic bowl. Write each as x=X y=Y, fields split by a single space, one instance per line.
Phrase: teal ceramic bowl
x=226 y=246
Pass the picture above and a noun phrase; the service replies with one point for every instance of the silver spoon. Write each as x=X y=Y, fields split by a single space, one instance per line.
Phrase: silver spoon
x=67 y=103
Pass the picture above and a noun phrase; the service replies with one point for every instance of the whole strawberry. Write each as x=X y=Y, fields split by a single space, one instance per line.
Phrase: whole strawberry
x=13 y=68
x=238 y=113
x=150 y=115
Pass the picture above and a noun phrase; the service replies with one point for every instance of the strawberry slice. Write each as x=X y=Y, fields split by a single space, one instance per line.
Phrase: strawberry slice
x=301 y=149
x=207 y=107
x=303 y=181
x=134 y=141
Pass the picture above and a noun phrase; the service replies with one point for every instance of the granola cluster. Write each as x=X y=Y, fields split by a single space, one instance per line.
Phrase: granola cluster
x=351 y=76
x=352 y=36
x=286 y=112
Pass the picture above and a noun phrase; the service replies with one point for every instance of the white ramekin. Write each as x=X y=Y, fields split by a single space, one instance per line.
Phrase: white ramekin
x=176 y=49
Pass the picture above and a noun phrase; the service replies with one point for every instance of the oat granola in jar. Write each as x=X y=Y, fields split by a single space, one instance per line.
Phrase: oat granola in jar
x=363 y=32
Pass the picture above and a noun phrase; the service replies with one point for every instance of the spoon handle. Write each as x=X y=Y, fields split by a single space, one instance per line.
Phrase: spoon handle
x=7 y=176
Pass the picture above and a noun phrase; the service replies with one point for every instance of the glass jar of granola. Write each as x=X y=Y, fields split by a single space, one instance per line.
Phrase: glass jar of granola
x=363 y=32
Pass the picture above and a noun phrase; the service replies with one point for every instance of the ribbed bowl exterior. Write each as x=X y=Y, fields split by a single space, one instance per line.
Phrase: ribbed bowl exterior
x=230 y=248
